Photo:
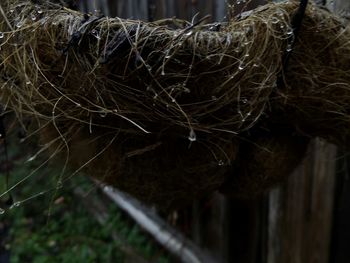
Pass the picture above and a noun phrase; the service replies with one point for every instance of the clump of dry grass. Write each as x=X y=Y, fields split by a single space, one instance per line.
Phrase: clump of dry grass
x=160 y=112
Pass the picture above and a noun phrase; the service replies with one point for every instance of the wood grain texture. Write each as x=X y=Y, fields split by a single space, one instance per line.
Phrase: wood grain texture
x=300 y=213
x=140 y=9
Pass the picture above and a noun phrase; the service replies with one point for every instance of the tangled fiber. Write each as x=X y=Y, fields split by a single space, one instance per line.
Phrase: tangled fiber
x=165 y=111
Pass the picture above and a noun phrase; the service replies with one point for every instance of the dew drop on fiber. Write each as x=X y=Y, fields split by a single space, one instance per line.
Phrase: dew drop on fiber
x=192 y=137
x=15 y=204
x=241 y=66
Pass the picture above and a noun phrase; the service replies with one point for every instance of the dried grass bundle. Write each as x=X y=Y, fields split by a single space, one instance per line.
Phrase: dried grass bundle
x=161 y=111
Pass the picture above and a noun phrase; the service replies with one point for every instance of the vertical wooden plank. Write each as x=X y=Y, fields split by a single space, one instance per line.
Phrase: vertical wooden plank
x=340 y=252
x=113 y=7
x=170 y=8
x=182 y=9
x=220 y=10
x=321 y=207
x=342 y=8
x=244 y=231
x=83 y=7
x=121 y=8
x=103 y=7
x=341 y=234
x=274 y=246
x=151 y=10
x=140 y=9
x=300 y=213
x=205 y=8
x=129 y=9
x=210 y=226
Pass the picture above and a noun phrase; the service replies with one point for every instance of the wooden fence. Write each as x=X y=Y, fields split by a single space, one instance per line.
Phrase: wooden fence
x=295 y=223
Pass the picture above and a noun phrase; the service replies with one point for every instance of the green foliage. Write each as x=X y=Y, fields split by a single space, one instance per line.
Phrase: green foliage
x=56 y=227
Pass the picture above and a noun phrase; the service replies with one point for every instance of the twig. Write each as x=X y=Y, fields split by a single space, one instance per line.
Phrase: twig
x=100 y=213
x=165 y=235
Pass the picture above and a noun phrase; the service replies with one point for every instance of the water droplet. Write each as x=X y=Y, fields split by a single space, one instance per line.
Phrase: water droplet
x=19 y=24
x=167 y=57
x=12 y=10
x=103 y=113
x=214 y=98
x=289 y=48
x=2 y=211
x=228 y=39
x=192 y=137
x=187 y=90
x=2 y=34
x=163 y=72
x=274 y=20
x=78 y=104
x=246 y=55
x=221 y=163
x=173 y=100
x=290 y=31
x=188 y=33
x=241 y=65
x=255 y=65
x=39 y=11
x=15 y=204
x=33 y=17
x=96 y=34
x=244 y=101
x=97 y=12
x=28 y=82
x=32 y=158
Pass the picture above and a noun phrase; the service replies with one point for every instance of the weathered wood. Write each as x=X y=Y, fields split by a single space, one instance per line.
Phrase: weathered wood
x=342 y=8
x=341 y=230
x=340 y=252
x=300 y=213
x=211 y=226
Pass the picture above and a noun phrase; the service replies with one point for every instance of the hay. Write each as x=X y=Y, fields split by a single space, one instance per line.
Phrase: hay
x=161 y=112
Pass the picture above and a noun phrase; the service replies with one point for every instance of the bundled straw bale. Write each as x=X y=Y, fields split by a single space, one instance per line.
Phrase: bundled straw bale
x=162 y=111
